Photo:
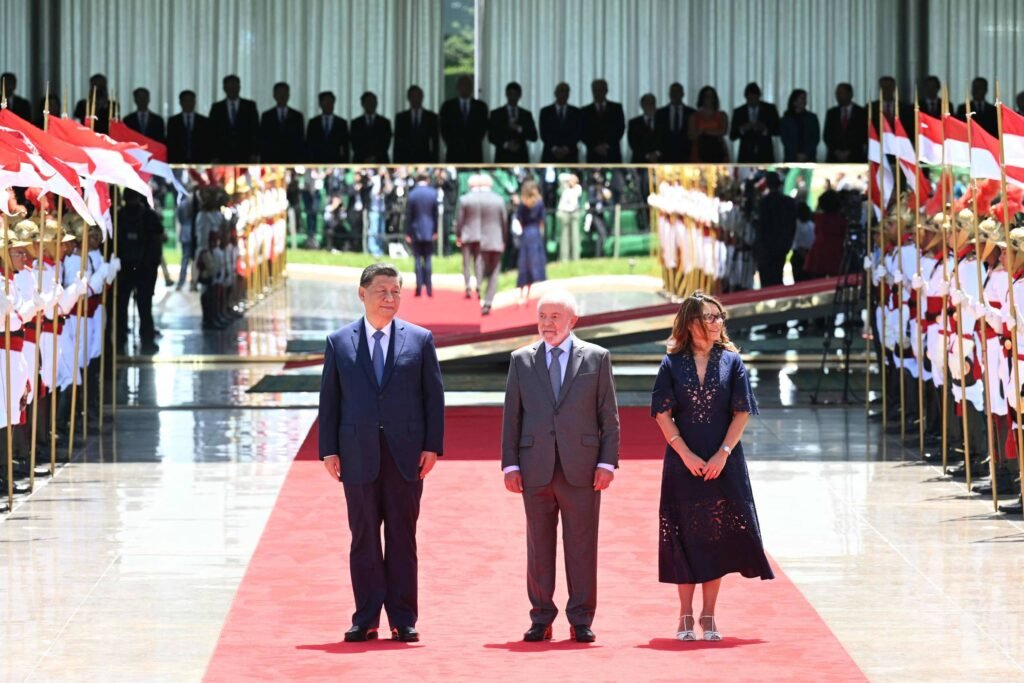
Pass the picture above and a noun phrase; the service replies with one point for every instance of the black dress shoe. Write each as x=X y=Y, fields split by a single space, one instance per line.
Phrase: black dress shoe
x=360 y=634
x=1004 y=486
x=537 y=633
x=979 y=468
x=405 y=634
x=582 y=634
x=1015 y=509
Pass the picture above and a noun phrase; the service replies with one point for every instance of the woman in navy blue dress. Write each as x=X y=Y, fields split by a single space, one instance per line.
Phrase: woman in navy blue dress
x=532 y=259
x=702 y=401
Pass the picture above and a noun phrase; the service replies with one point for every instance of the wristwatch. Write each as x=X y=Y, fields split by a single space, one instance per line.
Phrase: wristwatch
x=727 y=449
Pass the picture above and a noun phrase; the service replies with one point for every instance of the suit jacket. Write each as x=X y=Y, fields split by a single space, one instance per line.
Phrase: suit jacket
x=421 y=213
x=419 y=145
x=755 y=147
x=906 y=115
x=558 y=133
x=20 y=106
x=239 y=143
x=407 y=408
x=102 y=117
x=986 y=117
x=463 y=138
x=583 y=423
x=331 y=148
x=606 y=127
x=676 y=148
x=178 y=149
x=853 y=139
x=932 y=109
x=154 y=125
x=370 y=144
x=282 y=142
x=482 y=218
x=499 y=132
x=776 y=225
x=643 y=139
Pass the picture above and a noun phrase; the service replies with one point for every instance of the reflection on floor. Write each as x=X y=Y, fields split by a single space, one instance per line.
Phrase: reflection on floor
x=125 y=565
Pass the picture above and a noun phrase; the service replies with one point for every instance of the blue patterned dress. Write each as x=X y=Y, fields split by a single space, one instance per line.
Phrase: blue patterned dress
x=708 y=528
x=532 y=261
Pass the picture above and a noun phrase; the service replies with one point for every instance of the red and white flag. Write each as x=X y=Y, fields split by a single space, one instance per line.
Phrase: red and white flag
x=929 y=139
x=150 y=153
x=881 y=180
x=1013 y=144
x=113 y=162
x=40 y=170
x=958 y=151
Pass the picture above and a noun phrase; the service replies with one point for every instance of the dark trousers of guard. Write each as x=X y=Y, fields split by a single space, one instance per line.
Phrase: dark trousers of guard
x=384 y=575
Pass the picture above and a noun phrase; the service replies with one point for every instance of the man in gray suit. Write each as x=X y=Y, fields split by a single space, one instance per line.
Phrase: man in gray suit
x=480 y=231
x=559 y=449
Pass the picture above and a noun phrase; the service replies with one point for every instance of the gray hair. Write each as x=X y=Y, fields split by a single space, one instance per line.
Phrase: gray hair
x=560 y=297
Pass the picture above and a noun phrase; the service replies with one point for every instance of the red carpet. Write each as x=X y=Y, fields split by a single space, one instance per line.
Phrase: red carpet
x=292 y=607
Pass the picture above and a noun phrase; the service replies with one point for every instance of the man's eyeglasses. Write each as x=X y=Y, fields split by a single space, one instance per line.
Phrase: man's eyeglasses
x=712 y=318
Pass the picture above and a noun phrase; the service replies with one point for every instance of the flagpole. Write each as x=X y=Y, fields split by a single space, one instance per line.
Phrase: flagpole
x=114 y=210
x=58 y=257
x=1012 y=265
x=868 y=284
x=883 y=294
x=83 y=246
x=36 y=380
x=898 y=253
x=946 y=379
x=920 y=246
x=9 y=431
x=983 y=341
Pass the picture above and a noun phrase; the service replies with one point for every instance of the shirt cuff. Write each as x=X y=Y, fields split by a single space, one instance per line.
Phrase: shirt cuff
x=333 y=455
x=606 y=466
x=510 y=468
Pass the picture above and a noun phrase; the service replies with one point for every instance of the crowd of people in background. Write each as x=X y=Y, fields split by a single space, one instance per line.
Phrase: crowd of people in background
x=235 y=132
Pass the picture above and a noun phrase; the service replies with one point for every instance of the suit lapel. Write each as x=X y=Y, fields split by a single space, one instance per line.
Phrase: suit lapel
x=540 y=365
x=362 y=351
x=398 y=336
x=575 y=360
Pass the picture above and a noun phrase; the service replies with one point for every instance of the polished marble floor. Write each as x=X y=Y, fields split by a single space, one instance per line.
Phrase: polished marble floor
x=124 y=566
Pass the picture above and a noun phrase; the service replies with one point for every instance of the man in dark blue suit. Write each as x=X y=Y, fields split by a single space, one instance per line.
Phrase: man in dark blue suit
x=560 y=129
x=421 y=230
x=381 y=450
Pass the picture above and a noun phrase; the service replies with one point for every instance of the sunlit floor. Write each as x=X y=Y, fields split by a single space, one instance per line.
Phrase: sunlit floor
x=124 y=566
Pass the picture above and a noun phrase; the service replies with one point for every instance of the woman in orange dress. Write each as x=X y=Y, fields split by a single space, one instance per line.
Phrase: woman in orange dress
x=707 y=129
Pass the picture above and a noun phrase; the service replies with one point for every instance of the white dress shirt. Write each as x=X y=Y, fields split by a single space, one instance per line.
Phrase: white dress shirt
x=563 y=363
x=384 y=341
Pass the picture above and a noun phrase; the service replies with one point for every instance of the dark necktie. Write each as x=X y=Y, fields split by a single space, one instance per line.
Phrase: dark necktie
x=378 y=357
x=232 y=113
x=677 y=119
x=555 y=372
x=142 y=122
x=188 y=136
x=844 y=121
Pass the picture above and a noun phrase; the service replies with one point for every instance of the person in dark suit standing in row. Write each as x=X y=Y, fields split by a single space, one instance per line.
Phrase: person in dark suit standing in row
x=604 y=124
x=644 y=136
x=673 y=121
x=142 y=120
x=846 y=129
x=327 y=134
x=97 y=86
x=236 y=125
x=282 y=130
x=371 y=134
x=421 y=230
x=464 y=125
x=776 y=226
x=931 y=97
x=983 y=111
x=560 y=129
x=754 y=125
x=18 y=105
x=417 y=137
x=189 y=135
x=887 y=86
x=381 y=430
x=511 y=129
